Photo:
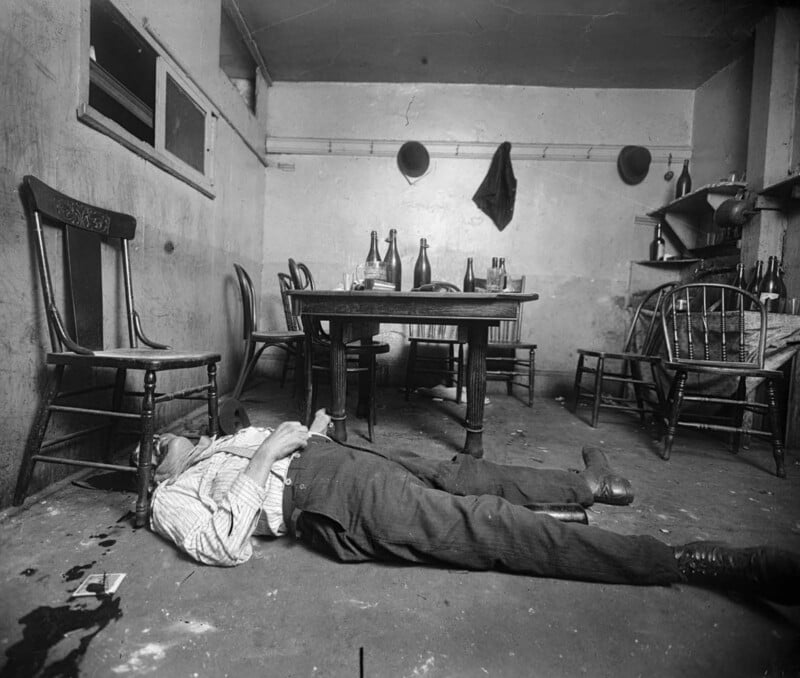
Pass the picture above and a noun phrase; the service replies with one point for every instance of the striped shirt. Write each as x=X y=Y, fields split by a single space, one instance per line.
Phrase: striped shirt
x=212 y=509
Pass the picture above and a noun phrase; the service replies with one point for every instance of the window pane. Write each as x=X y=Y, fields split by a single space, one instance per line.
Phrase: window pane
x=185 y=127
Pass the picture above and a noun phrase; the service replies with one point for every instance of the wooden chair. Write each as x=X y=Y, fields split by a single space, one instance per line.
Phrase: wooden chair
x=256 y=341
x=503 y=361
x=621 y=372
x=710 y=336
x=76 y=335
x=421 y=335
x=361 y=357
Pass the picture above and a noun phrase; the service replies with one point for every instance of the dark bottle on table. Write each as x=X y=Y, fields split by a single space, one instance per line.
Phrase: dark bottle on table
x=658 y=245
x=770 y=290
x=373 y=257
x=422 y=269
x=754 y=286
x=394 y=267
x=469 y=277
x=684 y=183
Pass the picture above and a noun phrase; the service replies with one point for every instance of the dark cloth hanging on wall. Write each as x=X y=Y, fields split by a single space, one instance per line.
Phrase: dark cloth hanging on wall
x=495 y=196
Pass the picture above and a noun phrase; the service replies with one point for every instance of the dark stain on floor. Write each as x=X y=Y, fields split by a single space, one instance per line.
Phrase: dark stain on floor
x=76 y=572
x=45 y=627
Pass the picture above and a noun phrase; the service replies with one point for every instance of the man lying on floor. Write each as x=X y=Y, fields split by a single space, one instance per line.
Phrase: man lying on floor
x=356 y=505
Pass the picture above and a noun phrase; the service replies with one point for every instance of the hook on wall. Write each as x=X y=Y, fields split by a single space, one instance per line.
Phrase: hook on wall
x=544 y=152
x=589 y=152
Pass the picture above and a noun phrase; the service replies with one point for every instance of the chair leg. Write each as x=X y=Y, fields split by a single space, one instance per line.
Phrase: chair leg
x=576 y=390
x=213 y=400
x=37 y=434
x=675 y=401
x=410 y=365
x=244 y=370
x=598 y=387
x=451 y=364
x=308 y=373
x=776 y=428
x=116 y=406
x=636 y=373
x=531 y=374
x=460 y=375
x=738 y=421
x=285 y=368
x=144 y=468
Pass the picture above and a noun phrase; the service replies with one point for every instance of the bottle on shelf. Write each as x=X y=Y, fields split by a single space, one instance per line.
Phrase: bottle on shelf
x=684 y=183
x=771 y=287
x=422 y=269
x=658 y=245
x=502 y=273
x=394 y=267
x=469 y=277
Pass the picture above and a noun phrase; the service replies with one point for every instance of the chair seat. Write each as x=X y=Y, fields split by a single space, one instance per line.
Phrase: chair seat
x=620 y=355
x=287 y=337
x=135 y=358
x=443 y=342
x=726 y=369
x=513 y=344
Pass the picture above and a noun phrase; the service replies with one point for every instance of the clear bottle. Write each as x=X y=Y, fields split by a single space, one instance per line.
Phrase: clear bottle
x=770 y=290
x=502 y=273
x=394 y=267
x=422 y=269
x=492 y=275
x=374 y=256
x=469 y=277
x=658 y=245
x=684 y=183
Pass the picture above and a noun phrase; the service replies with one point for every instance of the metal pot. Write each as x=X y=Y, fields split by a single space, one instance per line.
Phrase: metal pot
x=733 y=212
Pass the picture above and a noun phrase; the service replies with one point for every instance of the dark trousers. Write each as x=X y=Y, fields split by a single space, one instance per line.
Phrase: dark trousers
x=465 y=512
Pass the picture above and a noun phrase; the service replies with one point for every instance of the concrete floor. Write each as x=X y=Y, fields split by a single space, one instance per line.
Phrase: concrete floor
x=292 y=612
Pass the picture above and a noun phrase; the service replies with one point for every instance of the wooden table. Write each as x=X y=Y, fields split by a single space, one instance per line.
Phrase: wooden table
x=358 y=315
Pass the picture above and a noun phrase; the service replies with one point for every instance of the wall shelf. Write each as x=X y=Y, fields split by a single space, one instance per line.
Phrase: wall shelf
x=705 y=198
x=675 y=262
x=786 y=189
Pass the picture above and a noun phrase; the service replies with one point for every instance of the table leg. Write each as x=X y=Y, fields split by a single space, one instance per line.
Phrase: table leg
x=477 y=334
x=338 y=381
x=364 y=386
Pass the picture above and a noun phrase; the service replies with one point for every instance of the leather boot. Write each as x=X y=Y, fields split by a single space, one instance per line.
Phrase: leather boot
x=763 y=571
x=607 y=487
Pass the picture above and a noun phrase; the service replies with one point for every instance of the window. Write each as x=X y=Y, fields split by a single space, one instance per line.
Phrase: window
x=134 y=92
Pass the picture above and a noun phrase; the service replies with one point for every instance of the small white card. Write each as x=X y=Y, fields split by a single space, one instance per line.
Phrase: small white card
x=99 y=584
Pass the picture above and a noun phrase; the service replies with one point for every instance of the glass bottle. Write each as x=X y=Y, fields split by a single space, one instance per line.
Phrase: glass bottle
x=394 y=267
x=492 y=276
x=373 y=257
x=469 y=277
x=684 y=183
x=658 y=245
x=754 y=286
x=502 y=273
x=422 y=269
x=737 y=281
x=770 y=290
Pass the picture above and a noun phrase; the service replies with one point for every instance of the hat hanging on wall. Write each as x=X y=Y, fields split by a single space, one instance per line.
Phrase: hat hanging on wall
x=413 y=159
x=633 y=163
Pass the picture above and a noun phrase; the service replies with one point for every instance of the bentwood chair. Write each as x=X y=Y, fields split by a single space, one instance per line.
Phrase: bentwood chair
x=79 y=358
x=508 y=358
x=425 y=344
x=711 y=338
x=360 y=357
x=256 y=341
x=618 y=381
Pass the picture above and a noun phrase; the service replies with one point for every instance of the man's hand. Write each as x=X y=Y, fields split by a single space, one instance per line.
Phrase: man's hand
x=287 y=438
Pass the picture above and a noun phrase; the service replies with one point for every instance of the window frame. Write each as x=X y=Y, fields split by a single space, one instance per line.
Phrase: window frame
x=157 y=153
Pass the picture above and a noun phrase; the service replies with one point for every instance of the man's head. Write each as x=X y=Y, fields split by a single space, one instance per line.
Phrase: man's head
x=169 y=451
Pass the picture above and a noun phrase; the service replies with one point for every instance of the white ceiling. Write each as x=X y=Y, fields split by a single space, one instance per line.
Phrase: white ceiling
x=661 y=44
